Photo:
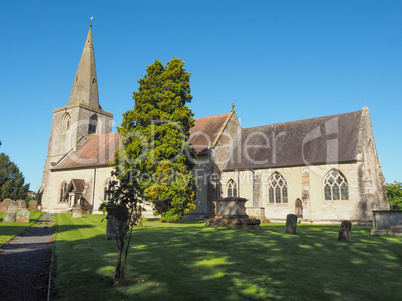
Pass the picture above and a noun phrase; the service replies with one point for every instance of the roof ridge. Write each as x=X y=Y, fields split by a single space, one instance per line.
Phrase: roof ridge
x=221 y=115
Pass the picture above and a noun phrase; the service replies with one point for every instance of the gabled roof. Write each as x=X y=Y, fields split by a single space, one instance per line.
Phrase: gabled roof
x=329 y=139
x=76 y=185
x=96 y=151
x=206 y=132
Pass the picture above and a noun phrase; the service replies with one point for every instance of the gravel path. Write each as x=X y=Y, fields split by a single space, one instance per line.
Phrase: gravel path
x=24 y=263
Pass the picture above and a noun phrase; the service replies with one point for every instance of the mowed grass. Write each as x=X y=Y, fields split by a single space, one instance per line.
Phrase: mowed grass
x=9 y=230
x=191 y=262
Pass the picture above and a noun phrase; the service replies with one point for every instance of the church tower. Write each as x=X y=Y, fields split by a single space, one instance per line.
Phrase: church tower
x=82 y=117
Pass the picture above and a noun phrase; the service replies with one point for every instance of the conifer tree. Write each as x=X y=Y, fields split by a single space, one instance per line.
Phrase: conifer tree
x=155 y=140
x=11 y=180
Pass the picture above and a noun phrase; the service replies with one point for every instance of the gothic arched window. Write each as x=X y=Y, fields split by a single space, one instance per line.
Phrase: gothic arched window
x=277 y=189
x=93 y=122
x=108 y=190
x=66 y=121
x=63 y=189
x=335 y=186
x=232 y=189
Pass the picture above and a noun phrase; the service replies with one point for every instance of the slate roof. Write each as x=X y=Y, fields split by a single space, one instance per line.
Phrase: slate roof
x=96 y=151
x=206 y=131
x=329 y=139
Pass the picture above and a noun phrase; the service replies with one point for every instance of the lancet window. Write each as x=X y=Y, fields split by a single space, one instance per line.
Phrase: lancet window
x=93 y=122
x=335 y=186
x=232 y=189
x=277 y=189
x=63 y=189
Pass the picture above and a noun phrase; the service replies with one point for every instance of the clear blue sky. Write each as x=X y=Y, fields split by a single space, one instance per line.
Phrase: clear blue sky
x=277 y=60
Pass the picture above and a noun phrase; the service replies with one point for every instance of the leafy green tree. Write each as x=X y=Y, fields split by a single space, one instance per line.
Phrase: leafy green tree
x=155 y=139
x=11 y=180
x=123 y=212
x=394 y=193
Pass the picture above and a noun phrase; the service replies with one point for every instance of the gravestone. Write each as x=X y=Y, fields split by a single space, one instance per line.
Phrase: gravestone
x=23 y=216
x=33 y=205
x=8 y=200
x=344 y=231
x=112 y=227
x=21 y=204
x=13 y=207
x=3 y=206
x=9 y=217
x=291 y=224
x=77 y=212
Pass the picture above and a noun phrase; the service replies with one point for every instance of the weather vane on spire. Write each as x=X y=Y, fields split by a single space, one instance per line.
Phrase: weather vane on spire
x=90 y=24
x=233 y=105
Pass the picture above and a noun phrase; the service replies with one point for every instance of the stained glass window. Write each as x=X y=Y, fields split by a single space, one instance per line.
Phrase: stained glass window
x=277 y=189
x=335 y=186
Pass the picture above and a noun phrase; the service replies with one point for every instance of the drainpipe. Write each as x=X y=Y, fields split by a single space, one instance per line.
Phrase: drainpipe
x=93 y=190
x=252 y=193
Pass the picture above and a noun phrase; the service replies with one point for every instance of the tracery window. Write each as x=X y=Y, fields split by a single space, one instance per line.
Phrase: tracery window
x=108 y=190
x=66 y=121
x=93 y=122
x=63 y=189
x=277 y=189
x=232 y=189
x=335 y=186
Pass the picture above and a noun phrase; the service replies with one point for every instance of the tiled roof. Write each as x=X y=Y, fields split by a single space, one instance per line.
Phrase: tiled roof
x=329 y=139
x=96 y=151
x=205 y=131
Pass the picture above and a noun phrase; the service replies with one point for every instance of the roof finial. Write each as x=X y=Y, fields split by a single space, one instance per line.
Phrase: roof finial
x=233 y=106
x=90 y=24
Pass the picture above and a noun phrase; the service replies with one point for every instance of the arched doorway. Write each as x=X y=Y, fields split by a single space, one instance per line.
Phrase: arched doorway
x=299 y=209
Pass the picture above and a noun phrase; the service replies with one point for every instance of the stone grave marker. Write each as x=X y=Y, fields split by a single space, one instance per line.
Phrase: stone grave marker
x=8 y=201
x=3 y=206
x=77 y=212
x=344 y=231
x=112 y=225
x=13 y=207
x=9 y=217
x=291 y=224
x=23 y=216
x=33 y=205
x=21 y=204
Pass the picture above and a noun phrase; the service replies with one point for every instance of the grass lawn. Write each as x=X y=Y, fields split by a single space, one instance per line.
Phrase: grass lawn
x=9 y=230
x=191 y=262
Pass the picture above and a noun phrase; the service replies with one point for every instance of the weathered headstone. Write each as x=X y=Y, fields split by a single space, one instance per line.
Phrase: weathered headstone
x=112 y=227
x=77 y=212
x=7 y=200
x=3 y=206
x=21 y=204
x=13 y=207
x=23 y=216
x=33 y=205
x=344 y=231
x=291 y=224
x=9 y=217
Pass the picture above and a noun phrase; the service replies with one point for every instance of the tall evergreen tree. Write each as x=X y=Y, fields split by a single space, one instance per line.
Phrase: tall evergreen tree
x=11 y=180
x=155 y=139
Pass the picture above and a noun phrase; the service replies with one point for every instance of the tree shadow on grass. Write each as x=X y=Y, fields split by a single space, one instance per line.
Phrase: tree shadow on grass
x=199 y=263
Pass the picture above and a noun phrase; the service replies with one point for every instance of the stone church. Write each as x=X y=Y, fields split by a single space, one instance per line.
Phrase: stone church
x=323 y=169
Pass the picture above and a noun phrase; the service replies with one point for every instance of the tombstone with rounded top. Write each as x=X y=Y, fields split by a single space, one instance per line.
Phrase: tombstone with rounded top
x=7 y=200
x=291 y=224
x=23 y=216
x=33 y=205
x=13 y=207
x=9 y=217
x=21 y=204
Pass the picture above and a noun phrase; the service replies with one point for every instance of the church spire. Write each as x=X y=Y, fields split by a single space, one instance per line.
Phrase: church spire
x=85 y=86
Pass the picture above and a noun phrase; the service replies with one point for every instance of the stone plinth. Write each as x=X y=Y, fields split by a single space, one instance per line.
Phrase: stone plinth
x=9 y=217
x=387 y=222
x=231 y=208
x=231 y=212
x=23 y=216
